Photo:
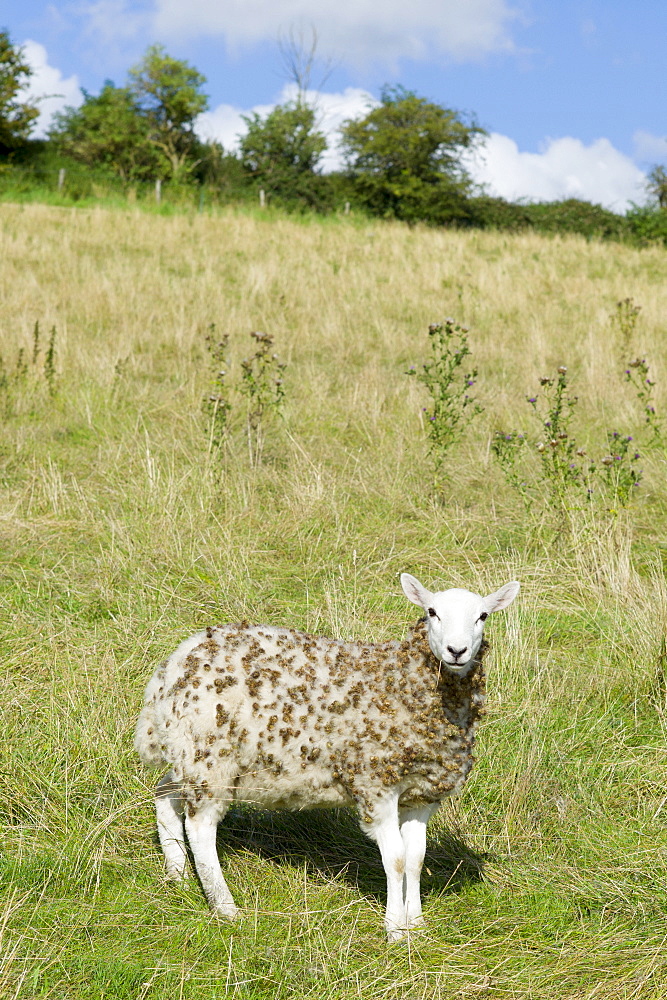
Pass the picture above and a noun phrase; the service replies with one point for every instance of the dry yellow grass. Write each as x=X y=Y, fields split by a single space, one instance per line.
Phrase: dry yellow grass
x=123 y=530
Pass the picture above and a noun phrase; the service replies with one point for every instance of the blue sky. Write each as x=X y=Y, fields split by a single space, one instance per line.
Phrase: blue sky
x=572 y=92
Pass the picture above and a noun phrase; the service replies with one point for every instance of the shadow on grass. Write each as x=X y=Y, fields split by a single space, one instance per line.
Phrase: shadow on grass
x=330 y=843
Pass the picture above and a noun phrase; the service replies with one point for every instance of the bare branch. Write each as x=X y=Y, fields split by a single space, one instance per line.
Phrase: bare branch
x=298 y=50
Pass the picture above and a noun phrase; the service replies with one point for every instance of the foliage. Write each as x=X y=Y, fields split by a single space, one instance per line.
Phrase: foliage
x=647 y=224
x=572 y=215
x=625 y=319
x=637 y=374
x=452 y=407
x=168 y=93
x=108 y=130
x=656 y=185
x=565 y=477
x=260 y=382
x=282 y=150
x=486 y=212
x=217 y=403
x=618 y=471
x=29 y=373
x=17 y=114
x=263 y=386
x=559 y=451
x=406 y=157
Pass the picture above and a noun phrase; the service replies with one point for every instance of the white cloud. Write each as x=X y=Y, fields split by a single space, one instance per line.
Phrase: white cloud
x=650 y=148
x=48 y=83
x=225 y=123
x=114 y=23
x=565 y=168
x=356 y=31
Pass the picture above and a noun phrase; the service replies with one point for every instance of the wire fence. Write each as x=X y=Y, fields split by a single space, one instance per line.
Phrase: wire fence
x=71 y=185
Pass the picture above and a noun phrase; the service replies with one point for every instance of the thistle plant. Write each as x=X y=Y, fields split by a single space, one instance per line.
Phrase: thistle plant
x=625 y=319
x=559 y=452
x=50 y=361
x=262 y=385
x=619 y=470
x=508 y=449
x=26 y=371
x=563 y=467
x=448 y=383
x=637 y=375
x=216 y=402
x=261 y=382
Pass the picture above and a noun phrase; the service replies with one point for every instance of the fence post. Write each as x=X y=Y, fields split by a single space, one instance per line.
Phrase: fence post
x=262 y=198
x=61 y=179
x=158 y=190
x=347 y=208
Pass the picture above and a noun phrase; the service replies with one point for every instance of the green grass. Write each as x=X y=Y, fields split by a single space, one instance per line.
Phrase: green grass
x=122 y=532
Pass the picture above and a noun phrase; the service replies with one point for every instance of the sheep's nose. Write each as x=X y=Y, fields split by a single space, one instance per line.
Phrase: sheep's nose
x=456 y=652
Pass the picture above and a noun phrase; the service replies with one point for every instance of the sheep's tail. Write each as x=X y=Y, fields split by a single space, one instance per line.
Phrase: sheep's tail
x=146 y=740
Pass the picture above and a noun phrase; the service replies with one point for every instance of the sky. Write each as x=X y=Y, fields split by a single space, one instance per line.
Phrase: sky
x=571 y=92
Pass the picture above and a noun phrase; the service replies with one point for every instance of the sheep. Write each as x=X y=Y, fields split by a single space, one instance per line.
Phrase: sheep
x=286 y=720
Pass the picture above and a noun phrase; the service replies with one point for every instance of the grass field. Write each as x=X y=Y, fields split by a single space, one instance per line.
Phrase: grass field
x=124 y=528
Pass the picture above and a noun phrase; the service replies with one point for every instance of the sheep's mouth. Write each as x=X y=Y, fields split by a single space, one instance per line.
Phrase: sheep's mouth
x=454 y=666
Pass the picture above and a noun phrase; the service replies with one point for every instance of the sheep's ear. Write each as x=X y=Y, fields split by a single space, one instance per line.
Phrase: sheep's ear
x=414 y=591
x=502 y=598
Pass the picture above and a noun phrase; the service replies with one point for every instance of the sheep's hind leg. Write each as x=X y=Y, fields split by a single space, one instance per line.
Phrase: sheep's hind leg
x=413 y=832
x=201 y=827
x=169 y=813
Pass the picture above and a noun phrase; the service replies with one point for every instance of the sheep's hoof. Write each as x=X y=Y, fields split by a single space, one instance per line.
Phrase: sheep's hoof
x=176 y=875
x=396 y=934
x=228 y=911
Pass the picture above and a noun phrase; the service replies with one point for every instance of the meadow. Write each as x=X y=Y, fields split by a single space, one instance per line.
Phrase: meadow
x=125 y=526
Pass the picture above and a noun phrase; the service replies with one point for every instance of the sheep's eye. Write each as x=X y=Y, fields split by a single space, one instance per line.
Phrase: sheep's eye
x=433 y=613
x=484 y=615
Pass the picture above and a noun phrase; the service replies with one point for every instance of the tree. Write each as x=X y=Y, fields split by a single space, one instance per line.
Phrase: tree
x=17 y=116
x=283 y=149
x=656 y=185
x=110 y=131
x=168 y=93
x=405 y=157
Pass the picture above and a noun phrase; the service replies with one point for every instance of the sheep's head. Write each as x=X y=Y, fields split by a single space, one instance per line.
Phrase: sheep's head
x=455 y=619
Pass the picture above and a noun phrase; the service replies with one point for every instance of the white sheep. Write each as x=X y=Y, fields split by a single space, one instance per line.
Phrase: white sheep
x=286 y=720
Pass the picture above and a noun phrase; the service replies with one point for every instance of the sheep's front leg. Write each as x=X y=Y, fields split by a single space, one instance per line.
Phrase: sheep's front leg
x=385 y=831
x=201 y=828
x=169 y=813
x=413 y=832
